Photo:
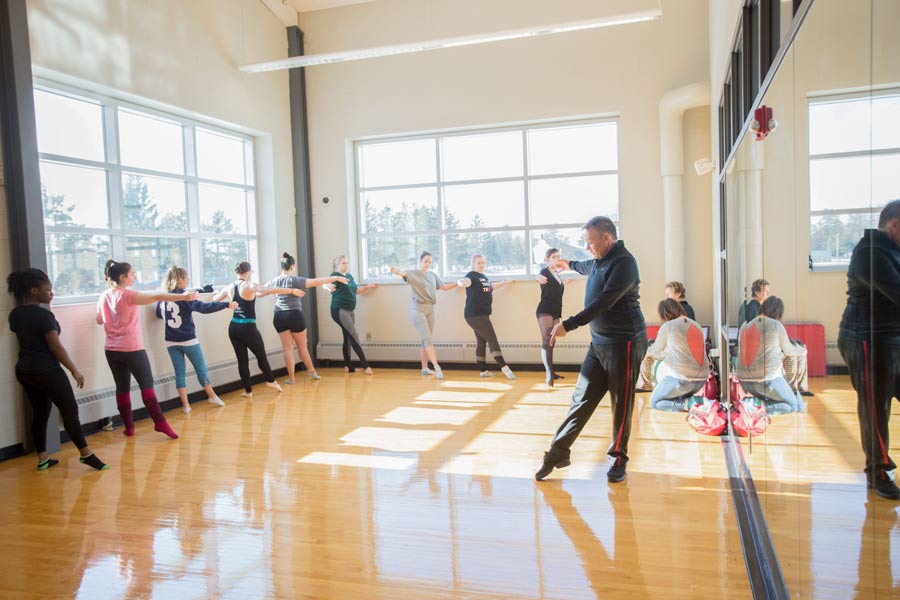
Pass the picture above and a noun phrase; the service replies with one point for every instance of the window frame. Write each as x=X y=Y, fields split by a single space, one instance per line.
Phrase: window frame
x=826 y=98
x=115 y=171
x=442 y=232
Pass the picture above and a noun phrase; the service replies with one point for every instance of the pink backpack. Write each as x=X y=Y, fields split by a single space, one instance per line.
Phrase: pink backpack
x=708 y=419
x=748 y=420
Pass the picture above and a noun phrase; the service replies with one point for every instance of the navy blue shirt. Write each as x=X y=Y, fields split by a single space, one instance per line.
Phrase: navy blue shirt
x=873 y=288
x=479 y=295
x=179 y=318
x=611 y=298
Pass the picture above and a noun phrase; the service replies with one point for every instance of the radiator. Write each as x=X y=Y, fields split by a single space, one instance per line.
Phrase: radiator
x=457 y=352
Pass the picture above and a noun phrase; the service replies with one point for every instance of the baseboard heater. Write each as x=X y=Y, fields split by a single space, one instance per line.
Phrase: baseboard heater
x=457 y=352
x=168 y=381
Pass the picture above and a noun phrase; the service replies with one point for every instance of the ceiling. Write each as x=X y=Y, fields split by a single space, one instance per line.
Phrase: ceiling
x=310 y=5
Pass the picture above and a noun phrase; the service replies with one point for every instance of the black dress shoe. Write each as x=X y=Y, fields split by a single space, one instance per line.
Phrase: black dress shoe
x=552 y=460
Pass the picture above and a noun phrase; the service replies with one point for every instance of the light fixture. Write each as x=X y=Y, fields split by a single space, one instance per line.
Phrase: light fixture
x=455 y=42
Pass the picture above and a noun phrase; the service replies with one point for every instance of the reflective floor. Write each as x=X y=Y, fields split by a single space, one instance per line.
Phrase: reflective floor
x=399 y=486
x=834 y=538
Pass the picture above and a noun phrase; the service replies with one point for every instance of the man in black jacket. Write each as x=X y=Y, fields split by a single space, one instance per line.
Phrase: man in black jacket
x=869 y=341
x=618 y=344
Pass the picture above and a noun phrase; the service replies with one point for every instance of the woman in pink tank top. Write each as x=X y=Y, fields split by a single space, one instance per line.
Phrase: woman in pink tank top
x=118 y=313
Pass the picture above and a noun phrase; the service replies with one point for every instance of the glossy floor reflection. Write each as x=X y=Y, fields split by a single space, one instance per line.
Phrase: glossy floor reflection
x=834 y=538
x=395 y=486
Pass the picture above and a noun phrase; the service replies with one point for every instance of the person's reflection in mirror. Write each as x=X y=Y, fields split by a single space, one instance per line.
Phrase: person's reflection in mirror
x=762 y=344
x=759 y=289
x=676 y=291
x=869 y=341
x=681 y=347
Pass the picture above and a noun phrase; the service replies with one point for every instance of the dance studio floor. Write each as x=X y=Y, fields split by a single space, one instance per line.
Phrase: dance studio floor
x=399 y=486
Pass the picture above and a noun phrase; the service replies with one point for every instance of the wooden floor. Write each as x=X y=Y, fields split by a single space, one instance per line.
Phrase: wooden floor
x=399 y=486
x=834 y=538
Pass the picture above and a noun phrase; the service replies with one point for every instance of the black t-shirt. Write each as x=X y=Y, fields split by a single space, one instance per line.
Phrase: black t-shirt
x=479 y=295
x=688 y=310
x=551 y=295
x=31 y=323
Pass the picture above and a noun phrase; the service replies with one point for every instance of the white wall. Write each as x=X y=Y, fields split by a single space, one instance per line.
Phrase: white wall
x=182 y=55
x=623 y=70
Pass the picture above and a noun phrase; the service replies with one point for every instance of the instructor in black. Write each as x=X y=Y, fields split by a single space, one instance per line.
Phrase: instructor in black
x=618 y=343
x=869 y=341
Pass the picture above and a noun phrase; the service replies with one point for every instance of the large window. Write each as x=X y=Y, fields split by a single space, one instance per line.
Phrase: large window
x=126 y=182
x=854 y=158
x=509 y=194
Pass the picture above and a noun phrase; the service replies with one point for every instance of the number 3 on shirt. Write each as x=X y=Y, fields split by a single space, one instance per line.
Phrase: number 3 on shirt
x=173 y=311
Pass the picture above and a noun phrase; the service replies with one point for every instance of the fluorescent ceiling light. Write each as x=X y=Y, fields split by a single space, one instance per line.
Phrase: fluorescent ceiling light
x=483 y=38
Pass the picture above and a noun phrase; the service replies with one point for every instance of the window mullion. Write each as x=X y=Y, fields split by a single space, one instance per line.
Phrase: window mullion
x=529 y=259
x=114 y=178
x=442 y=227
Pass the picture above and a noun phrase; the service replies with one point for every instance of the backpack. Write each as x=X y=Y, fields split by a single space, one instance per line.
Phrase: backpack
x=749 y=419
x=708 y=419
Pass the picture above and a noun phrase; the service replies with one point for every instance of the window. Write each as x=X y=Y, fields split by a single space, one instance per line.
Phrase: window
x=154 y=189
x=508 y=193
x=854 y=158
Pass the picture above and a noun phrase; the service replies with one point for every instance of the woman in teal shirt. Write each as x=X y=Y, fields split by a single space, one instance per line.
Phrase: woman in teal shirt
x=343 y=305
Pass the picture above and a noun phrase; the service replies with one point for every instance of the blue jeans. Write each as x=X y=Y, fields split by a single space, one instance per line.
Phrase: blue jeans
x=669 y=393
x=195 y=355
x=779 y=396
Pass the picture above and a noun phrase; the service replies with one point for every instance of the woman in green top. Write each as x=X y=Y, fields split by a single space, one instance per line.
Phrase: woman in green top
x=343 y=303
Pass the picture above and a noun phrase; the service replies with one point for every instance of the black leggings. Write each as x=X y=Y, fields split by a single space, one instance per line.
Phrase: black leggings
x=485 y=336
x=546 y=323
x=45 y=388
x=125 y=364
x=347 y=322
x=245 y=336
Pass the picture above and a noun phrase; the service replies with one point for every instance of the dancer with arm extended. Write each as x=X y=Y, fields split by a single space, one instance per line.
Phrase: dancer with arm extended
x=549 y=309
x=242 y=330
x=479 y=300
x=38 y=369
x=424 y=284
x=343 y=307
x=288 y=319
x=618 y=343
x=181 y=336
x=117 y=312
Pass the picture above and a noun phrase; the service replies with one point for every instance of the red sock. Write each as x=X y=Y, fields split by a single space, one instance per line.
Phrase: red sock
x=123 y=402
x=152 y=404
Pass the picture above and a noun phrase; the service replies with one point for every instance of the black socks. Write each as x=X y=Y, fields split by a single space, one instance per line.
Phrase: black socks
x=91 y=460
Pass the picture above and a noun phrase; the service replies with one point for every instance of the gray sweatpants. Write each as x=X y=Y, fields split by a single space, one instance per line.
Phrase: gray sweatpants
x=422 y=317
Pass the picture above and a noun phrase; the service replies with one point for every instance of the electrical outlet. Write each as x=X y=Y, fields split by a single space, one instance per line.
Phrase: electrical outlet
x=368 y=336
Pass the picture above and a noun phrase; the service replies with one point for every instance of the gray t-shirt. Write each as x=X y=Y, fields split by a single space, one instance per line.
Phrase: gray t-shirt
x=285 y=301
x=424 y=285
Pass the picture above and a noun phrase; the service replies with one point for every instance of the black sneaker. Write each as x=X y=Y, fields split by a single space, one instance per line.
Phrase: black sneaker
x=616 y=472
x=552 y=461
x=886 y=489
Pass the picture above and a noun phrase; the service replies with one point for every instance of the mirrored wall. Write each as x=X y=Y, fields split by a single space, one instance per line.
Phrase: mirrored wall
x=796 y=203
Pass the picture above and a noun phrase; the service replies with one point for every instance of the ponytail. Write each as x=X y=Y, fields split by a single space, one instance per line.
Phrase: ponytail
x=114 y=271
x=173 y=276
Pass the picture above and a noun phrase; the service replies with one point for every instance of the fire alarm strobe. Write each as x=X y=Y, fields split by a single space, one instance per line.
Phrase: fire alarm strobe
x=763 y=122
